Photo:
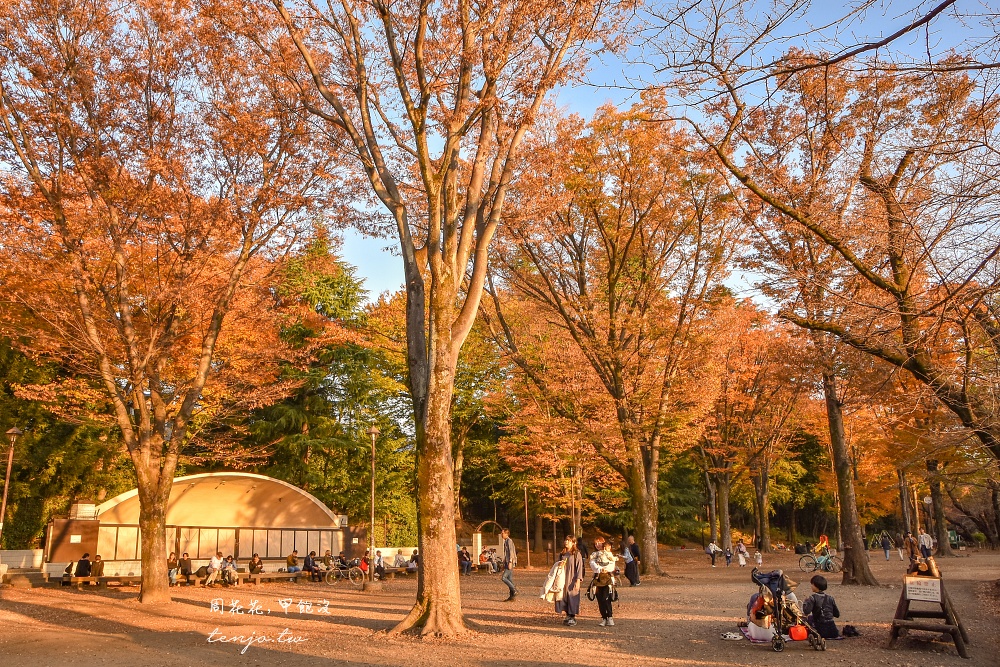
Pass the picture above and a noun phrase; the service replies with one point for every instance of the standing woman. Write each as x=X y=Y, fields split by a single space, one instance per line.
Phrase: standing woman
x=573 y=572
x=602 y=564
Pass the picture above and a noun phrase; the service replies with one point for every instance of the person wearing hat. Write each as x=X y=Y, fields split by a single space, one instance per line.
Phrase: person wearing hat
x=910 y=548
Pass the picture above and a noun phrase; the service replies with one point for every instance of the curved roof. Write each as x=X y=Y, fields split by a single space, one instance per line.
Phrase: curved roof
x=228 y=499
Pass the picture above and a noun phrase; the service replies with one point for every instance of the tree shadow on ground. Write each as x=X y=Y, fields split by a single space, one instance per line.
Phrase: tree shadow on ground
x=169 y=647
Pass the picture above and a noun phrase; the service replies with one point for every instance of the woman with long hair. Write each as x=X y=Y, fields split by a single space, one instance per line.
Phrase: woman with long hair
x=573 y=572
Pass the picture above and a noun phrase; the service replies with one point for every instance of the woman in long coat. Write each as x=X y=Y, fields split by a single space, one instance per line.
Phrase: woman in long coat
x=573 y=571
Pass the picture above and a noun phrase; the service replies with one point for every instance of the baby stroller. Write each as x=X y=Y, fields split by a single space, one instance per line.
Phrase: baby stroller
x=775 y=598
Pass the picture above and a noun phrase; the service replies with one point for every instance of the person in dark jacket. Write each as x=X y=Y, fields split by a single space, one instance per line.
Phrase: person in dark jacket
x=821 y=609
x=185 y=567
x=509 y=562
x=256 y=565
x=632 y=568
x=83 y=566
x=886 y=544
x=573 y=571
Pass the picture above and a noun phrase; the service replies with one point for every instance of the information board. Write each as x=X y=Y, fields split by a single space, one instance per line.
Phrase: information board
x=925 y=589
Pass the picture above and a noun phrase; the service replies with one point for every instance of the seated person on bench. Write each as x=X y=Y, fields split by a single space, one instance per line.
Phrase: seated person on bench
x=214 y=570
x=83 y=566
x=379 y=566
x=312 y=567
x=399 y=560
x=414 y=562
x=292 y=562
x=256 y=565
x=184 y=566
x=97 y=567
x=340 y=562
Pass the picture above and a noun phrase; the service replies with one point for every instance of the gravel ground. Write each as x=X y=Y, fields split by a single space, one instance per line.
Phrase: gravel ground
x=672 y=620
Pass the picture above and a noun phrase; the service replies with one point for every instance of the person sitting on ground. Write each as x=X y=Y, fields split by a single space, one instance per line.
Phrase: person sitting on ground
x=465 y=561
x=172 y=568
x=83 y=566
x=185 y=567
x=292 y=562
x=400 y=560
x=256 y=565
x=214 y=570
x=379 y=565
x=414 y=563
x=821 y=609
x=97 y=568
x=312 y=567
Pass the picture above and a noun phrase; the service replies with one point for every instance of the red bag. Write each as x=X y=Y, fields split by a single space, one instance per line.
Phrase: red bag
x=797 y=633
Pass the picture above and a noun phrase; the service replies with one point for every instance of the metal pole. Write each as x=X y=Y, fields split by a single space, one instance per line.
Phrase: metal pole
x=373 y=432
x=12 y=436
x=916 y=511
x=371 y=542
x=572 y=499
x=527 y=534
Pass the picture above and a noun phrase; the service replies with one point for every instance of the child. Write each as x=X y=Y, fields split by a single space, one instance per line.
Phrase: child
x=729 y=556
x=822 y=609
x=758 y=559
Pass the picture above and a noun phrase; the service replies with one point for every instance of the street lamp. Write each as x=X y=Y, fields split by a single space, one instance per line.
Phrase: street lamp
x=373 y=432
x=13 y=435
x=572 y=498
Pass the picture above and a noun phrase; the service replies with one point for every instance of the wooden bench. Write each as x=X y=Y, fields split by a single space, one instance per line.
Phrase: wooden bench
x=272 y=576
x=122 y=580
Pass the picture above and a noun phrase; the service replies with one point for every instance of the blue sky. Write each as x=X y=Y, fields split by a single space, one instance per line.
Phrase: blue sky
x=378 y=261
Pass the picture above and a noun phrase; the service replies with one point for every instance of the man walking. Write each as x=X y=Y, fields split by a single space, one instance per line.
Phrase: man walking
x=925 y=543
x=886 y=544
x=509 y=561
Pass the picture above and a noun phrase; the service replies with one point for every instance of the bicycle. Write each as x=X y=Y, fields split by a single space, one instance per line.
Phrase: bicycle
x=352 y=574
x=811 y=563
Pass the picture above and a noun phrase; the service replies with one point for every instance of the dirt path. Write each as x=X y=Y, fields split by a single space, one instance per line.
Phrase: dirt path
x=674 y=620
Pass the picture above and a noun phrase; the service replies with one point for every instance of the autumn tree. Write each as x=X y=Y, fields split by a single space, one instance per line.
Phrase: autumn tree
x=621 y=239
x=146 y=194
x=433 y=100
x=754 y=417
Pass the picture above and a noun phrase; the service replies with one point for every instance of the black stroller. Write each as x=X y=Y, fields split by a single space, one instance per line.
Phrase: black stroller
x=787 y=619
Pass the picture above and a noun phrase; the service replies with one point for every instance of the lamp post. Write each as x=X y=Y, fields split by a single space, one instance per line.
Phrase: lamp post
x=572 y=498
x=12 y=434
x=373 y=432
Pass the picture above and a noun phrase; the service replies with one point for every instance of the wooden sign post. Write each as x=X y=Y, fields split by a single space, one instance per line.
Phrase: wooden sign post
x=930 y=590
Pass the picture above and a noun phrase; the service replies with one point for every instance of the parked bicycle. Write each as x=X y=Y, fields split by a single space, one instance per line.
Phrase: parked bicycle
x=351 y=573
x=823 y=563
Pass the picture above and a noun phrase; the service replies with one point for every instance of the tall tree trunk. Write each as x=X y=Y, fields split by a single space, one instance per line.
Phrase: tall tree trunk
x=153 y=496
x=937 y=505
x=763 y=490
x=645 y=512
x=539 y=539
x=791 y=525
x=722 y=501
x=438 y=607
x=713 y=527
x=904 y=499
x=856 y=568
x=995 y=500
